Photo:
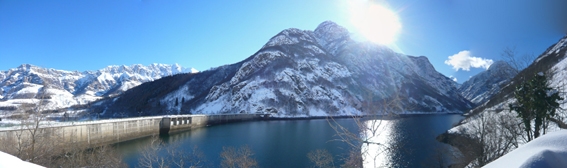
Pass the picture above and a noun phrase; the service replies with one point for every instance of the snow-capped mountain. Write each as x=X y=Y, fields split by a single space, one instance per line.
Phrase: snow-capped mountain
x=302 y=73
x=29 y=83
x=484 y=85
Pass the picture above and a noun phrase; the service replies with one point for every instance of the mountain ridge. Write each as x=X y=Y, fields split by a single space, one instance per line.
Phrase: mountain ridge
x=27 y=83
x=300 y=73
x=481 y=87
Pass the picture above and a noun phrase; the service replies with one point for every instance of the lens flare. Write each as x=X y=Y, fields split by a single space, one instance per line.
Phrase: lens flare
x=375 y=22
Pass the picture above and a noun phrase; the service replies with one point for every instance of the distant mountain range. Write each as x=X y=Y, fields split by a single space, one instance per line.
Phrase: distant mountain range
x=29 y=83
x=300 y=73
x=297 y=73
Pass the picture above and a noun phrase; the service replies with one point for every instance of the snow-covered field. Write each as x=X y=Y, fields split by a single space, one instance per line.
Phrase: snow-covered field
x=549 y=150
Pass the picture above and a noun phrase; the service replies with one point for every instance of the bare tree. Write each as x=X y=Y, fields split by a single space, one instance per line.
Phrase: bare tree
x=150 y=157
x=237 y=158
x=366 y=146
x=493 y=135
x=321 y=158
x=181 y=159
x=29 y=133
x=36 y=142
x=175 y=157
x=511 y=56
x=78 y=155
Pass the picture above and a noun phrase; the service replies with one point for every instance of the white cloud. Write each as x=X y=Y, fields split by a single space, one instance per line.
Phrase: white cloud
x=464 y=60
x=453 y=78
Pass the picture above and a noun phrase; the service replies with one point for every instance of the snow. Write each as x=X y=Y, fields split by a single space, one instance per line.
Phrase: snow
x=193 y=70
x=177 y=95
x=549 y=150
x=7 y=160
x=282 y=39
x=129 y=84
x=316 y=50
x=322 y=72
x=481 y=87
x=555 y=49
x=31 y=88
x=541 y=152
x=261 y=94
x=213 y=107
x=68 y=88
x=316 y=112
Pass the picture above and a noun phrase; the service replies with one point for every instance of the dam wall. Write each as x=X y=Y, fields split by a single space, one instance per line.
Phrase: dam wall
x=117 y=130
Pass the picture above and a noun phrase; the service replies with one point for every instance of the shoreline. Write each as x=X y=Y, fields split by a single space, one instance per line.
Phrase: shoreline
x=361 y=116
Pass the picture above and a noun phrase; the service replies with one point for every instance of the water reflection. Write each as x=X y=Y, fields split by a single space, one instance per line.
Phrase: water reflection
x=278 y=143
x=375 y=150
x=402 y=142
x=408 y=141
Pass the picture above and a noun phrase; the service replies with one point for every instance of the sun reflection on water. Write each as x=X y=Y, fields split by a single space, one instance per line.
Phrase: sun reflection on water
x=375 y=134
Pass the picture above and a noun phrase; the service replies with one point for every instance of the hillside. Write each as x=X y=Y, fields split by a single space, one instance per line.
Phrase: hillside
x=301 y=73
x=496 y=130
x=481 y=87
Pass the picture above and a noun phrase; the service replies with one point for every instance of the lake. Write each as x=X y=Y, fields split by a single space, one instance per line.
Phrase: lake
x=409 y=141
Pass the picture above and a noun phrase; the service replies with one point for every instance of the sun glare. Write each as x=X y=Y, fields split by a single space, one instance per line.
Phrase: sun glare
x=375 y=23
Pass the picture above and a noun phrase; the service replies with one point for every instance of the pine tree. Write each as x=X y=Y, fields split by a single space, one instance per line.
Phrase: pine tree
x=176 y=102
x=536 y=101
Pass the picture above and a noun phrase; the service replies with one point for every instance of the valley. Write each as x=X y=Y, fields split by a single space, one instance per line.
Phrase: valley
x=255 y=83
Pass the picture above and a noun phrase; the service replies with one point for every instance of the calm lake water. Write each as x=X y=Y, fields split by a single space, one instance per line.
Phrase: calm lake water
x=285 y=143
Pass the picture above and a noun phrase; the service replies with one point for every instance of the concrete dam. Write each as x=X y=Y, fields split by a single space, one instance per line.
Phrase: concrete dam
x=110 y=131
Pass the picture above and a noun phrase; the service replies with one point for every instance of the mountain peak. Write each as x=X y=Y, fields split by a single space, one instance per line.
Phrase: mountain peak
x=499 y=64
x=288 y=36
x=193 y=70
x=26 y=66
x=329 y=31
x=330 y=27
x=301 y=73
x=481 y=87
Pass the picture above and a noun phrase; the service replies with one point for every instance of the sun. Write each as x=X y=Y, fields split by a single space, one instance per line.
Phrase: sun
x=375 y=22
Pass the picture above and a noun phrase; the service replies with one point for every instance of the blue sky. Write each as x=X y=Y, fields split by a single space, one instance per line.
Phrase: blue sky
x=89 y=35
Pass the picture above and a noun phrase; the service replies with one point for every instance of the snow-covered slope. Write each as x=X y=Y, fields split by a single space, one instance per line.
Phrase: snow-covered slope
x=8 y=160
x=29 y=83
x=549 y=150
x=300 y=73
x=552 y=62
x=484 y=85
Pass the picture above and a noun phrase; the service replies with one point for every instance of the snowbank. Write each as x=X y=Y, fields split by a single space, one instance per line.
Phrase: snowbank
x=549 y=150
x=7 y=160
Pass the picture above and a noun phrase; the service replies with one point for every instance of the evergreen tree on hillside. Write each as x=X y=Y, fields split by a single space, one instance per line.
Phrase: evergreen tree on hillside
x=537 y=102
